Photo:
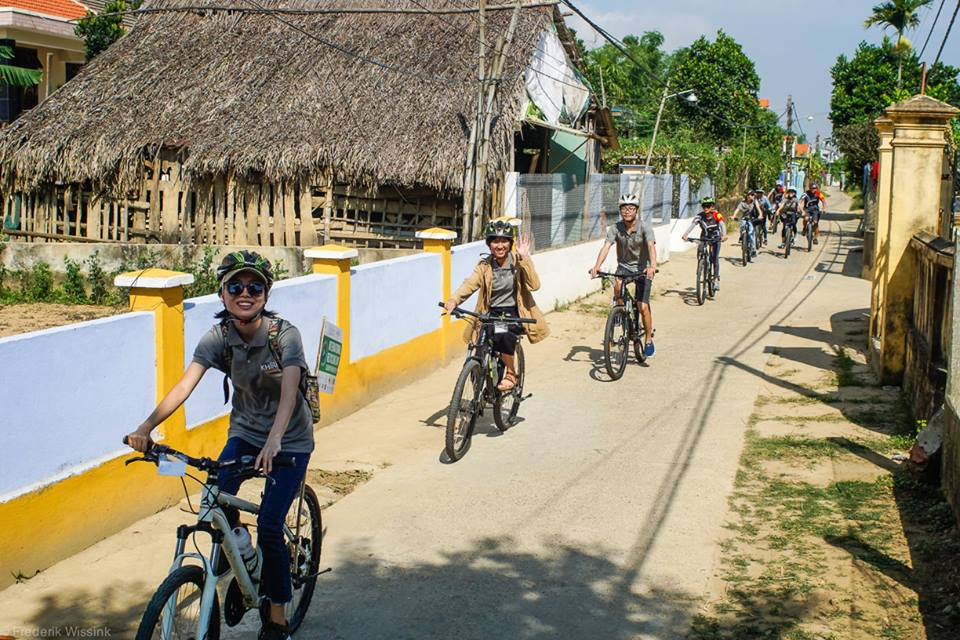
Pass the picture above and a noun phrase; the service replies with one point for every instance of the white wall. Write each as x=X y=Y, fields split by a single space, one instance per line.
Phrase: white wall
x=69 y=395
x=463 y=259
x=304 y=301
x=393 y=301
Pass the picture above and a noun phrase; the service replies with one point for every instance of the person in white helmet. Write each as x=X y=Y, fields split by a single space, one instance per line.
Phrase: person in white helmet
x=636 y=253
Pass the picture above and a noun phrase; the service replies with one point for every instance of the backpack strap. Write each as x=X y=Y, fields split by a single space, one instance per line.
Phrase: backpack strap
x=227 y=359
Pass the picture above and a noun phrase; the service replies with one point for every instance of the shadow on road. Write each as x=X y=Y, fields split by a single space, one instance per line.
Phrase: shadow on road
x=492 y=589
x=87 y=612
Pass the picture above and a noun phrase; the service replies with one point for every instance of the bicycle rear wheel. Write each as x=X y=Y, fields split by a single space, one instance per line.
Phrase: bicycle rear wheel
x=464 y=409
x=615 y=338
x=173 y=612
x=638 y=341
x=507 y=403
x=703 y=274
x=304 y=557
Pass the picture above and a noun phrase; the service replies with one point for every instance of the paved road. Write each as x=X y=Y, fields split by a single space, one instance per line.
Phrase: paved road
x=596 y=517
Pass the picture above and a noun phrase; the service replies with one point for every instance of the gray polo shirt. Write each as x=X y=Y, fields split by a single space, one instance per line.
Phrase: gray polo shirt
x=504 y=292
x=632 y=251
x=256 y=383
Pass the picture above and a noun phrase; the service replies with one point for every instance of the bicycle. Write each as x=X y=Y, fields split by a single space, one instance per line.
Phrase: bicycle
x=171 y=614
x=624 y=325
x=706 y=285
x=477 y=384
x=760 y=231
x=746 y=244
x=789 y=229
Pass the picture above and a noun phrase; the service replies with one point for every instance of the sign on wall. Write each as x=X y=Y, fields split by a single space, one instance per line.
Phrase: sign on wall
x=331 y=346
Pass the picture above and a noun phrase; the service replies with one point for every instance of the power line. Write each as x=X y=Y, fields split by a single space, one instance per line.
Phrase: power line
x=622 y=49
x=932 y=27
x=947 y=34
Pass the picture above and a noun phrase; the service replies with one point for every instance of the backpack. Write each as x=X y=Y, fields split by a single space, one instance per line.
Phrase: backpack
x=309 y=387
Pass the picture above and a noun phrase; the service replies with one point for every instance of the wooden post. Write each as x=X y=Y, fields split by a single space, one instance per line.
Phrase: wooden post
x=263 y=207
x=250 y=211
x=289 y=216
x=328 y=208
x=308 y=231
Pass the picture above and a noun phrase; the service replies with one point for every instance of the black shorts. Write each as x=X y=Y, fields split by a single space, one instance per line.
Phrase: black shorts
x=641 y=286
x=506 y=342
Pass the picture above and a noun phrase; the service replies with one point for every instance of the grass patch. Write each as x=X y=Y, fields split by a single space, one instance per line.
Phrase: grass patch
x=844 y=366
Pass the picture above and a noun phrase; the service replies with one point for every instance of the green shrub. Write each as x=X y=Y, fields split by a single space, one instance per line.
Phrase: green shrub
x=73 y=290
x=36 y=283
x=99 y=281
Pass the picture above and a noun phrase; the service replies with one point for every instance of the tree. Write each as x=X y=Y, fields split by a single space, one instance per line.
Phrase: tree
x=626 y=85
x=726 y=84
x=866 y=84
x=899 y=15
x=17 y=76
x=100 y=31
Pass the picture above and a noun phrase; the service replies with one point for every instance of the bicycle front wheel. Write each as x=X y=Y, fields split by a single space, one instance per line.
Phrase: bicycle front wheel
x=809 y=237
x=703 y=273
x=744 y=251
x=615 y=338
x=464 y=409
x=788 y=242
x=173 y=612
x=507 y=403
x=304 y=548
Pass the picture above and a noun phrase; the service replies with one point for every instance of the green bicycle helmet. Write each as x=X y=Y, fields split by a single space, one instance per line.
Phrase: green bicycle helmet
x=237 y=262
x=708 y=201
x=500 y=229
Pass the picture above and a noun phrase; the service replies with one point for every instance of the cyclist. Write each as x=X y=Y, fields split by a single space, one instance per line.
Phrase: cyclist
x=775 y=197
x=763 y=203
x=505 y=279
x=269 y=415
x=636 y=251
x=788 y=212
x=811 y=203
x=748 y=212
x=713 y=231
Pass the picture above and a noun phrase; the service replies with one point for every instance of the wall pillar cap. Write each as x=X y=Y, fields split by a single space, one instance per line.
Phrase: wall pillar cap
x=921 y=107
x=153 y=279
x=331 y=252
x=436 y=233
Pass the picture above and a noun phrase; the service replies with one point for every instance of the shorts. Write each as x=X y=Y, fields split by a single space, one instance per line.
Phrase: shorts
x=506 y=342
x=641 y=286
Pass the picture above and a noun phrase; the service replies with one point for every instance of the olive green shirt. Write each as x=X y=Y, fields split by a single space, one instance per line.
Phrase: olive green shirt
x=256 y=378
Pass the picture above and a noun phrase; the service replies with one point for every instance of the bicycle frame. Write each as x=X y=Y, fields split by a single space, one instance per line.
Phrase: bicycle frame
x=211 y=519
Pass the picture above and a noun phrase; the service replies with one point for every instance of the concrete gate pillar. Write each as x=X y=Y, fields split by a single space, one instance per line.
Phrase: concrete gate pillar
x=913 y=200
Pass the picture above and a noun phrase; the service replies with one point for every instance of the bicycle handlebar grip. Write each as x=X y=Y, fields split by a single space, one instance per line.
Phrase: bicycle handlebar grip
x=285 y=461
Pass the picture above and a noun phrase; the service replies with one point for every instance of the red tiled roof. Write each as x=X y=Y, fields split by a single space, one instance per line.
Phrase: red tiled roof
x=802 y=149
x=58 y=8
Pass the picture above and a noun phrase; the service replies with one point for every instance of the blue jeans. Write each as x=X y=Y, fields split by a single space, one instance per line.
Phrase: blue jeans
x=282 y=487
x=748 y=224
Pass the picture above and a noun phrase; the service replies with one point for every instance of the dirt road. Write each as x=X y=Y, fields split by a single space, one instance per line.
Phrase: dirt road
x=596 y=517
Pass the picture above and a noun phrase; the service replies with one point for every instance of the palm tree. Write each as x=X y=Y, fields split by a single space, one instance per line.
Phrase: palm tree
x=16 y=76
x=901 y=15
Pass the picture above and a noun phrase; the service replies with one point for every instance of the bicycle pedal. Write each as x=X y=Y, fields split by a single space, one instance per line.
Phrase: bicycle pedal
x=526 y=397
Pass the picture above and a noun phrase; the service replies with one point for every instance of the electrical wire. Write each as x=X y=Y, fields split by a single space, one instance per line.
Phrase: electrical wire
x=932 y=27
x=622 y=49
x=947 y=34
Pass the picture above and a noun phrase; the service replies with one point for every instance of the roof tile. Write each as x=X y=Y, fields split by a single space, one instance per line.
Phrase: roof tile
x=58 y=8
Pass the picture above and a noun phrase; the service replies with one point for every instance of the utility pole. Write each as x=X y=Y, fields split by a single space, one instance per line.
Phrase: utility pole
x=656 y=126
x=788 y=141
x=470 y=175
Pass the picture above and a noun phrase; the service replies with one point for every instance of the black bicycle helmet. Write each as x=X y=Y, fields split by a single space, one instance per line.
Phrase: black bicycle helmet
x=239 y=261
x=500 y=229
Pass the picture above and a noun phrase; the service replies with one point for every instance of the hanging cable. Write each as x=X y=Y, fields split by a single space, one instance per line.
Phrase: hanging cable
x=932 y=27
x=946 y=35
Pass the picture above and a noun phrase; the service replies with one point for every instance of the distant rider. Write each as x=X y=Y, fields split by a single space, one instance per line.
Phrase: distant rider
x=713 y=231
x=812 y=204
x=788 y=212
x=747 y=213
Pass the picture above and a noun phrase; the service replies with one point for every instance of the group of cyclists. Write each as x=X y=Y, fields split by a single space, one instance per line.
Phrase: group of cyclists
x=264 y=356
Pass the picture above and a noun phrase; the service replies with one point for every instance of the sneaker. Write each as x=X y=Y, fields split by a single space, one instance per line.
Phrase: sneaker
x=649 y=350
x=273 y=631
x=716 y=283
x=816 y=241
x=780 y=246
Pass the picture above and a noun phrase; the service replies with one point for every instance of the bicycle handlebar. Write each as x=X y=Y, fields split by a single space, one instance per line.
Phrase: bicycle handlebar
x=624 y=277
x=487 y=318
x=245 y=463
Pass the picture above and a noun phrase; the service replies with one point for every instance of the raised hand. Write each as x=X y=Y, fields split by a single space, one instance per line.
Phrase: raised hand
x=524 y=245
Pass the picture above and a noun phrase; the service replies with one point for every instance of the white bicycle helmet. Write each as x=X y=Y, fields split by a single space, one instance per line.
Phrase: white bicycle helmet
x=629 y=198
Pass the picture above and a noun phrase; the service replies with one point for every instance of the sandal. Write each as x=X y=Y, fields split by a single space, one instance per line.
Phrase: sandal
x=509 y=381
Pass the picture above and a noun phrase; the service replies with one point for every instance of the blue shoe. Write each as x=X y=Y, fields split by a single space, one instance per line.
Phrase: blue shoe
x=648 y=350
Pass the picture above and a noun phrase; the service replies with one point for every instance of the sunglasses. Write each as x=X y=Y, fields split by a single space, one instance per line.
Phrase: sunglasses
x=255 y=289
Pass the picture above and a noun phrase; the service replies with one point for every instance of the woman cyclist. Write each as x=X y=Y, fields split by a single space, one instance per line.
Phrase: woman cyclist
x=269 y=415
x=713 y=231
x=505 y=280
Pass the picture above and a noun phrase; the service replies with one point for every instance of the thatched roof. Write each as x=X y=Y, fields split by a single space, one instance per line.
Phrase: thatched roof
x=245 y=94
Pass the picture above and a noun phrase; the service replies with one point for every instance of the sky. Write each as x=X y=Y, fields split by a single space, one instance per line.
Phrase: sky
x=793 y=43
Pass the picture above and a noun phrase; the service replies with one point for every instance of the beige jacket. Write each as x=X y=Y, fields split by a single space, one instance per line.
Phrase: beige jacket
x=527 y=281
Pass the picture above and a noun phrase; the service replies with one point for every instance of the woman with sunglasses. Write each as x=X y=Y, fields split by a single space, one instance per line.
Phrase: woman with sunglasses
x=263 y=357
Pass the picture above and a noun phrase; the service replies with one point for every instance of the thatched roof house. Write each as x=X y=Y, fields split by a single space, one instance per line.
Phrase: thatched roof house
x=232 y=100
